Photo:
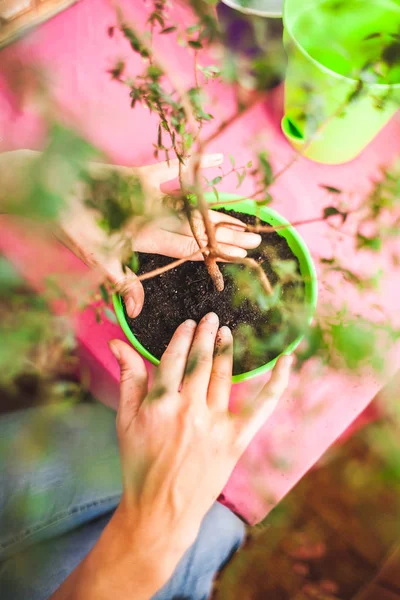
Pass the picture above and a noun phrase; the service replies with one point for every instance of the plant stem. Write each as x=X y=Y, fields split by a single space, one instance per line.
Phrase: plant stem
x=169 y=267
x=253 y=264
x=270 y=228
x=202 y=204
x=232 y=119
x=236 y=200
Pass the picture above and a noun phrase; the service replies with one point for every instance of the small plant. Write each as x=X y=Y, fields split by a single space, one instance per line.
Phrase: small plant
x=184 y=132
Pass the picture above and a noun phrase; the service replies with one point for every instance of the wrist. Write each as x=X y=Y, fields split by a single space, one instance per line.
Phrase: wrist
x=130 y=555
x=150 y=537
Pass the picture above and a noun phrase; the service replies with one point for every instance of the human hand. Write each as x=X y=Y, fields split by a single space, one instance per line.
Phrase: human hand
x=179 y=444
x=178 y=440
x=167 y=235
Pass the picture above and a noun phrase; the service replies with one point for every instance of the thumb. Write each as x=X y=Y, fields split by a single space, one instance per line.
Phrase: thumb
x=133 y=383
x=128 y=285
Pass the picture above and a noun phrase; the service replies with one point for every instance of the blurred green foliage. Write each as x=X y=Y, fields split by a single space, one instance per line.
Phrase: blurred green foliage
x=339 y=338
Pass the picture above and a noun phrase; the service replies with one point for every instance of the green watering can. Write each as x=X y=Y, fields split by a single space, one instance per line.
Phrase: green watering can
x=343 y=77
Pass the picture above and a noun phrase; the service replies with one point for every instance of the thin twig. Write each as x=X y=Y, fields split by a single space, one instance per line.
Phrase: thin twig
x=236 y=200
x=271 y=228
x=232 y=119
x=202 y=204
x=169 y=267
x=253 y=264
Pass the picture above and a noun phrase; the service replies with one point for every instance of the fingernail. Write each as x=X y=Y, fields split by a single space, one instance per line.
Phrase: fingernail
x=217 y=156
x=239 y=252
x=130 y=307
x=255 y=238
x=190 y=324
x=225 y=332
x=288 y=358
x=115 y=350
x=211 y=318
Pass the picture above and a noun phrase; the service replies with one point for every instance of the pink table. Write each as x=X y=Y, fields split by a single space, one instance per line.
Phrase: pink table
x=318 y=408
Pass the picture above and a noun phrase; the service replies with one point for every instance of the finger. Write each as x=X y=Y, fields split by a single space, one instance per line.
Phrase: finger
x=183 y=226
x=176 y=245
x=133 y=294
x=200 y=360
x=231 y=234
x=173 y=361
x=240 y=239
x=220 y=385
x=217 y=217
x=133 y=382
x=266 y=401
x=128 y=285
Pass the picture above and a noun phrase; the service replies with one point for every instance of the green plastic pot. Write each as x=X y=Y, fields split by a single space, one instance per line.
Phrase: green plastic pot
x=327 y=48
x=259 y=8
x=299 y=249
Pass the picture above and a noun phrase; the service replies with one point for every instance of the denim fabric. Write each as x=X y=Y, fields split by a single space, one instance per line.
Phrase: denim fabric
x=59 y=483
x=59 y=467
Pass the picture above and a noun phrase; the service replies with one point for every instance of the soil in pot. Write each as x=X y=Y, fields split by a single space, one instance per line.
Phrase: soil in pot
x=187 y=292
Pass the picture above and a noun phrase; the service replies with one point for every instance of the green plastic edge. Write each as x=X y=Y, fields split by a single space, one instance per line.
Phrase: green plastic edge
x=299 y=249
x=323 y=68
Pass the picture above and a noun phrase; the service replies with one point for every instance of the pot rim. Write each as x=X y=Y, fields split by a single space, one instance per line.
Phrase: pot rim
x=307 y=269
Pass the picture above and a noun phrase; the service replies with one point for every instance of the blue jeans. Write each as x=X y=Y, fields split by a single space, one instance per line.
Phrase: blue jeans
x=60 y=482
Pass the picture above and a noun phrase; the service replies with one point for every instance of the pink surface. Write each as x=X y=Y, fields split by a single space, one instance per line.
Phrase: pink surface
x=318 y=408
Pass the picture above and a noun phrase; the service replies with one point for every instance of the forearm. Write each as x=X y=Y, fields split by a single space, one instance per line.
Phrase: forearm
x=121 y=566
x=15 y=167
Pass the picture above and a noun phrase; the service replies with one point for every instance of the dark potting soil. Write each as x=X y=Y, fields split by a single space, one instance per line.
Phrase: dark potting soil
x=187 y=292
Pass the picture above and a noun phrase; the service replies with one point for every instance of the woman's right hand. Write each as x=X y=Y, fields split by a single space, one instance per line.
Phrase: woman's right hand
x=179 y=442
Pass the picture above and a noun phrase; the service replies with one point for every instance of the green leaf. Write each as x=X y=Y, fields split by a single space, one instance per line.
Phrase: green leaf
x=356 y=342
x=156 y=16
x=391 y=54
x=327 y=261
x=52 y=176
x=134 y=262
x=231 y=158
x=285 y=269
x=159 y=137
x=210 y=71
x=110 y=314
x=195 y=44
x=188 y=139
x=372 y=243
x=134 y=41
x=249 y=164
x=216 y=180
x=169 y=29
x=330 y=189
x=264 y=201
x=356 y=93
x=216 y=193
x=192 y=29
x=117 y=71
x=9 y=278
x=265 y=168
x=154 y=72
x=104 y=293
x=331 y=211
x=240 y=178
x=372 y=36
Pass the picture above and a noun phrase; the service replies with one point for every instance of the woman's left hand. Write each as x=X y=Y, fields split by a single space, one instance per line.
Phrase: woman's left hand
x=168 y=236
